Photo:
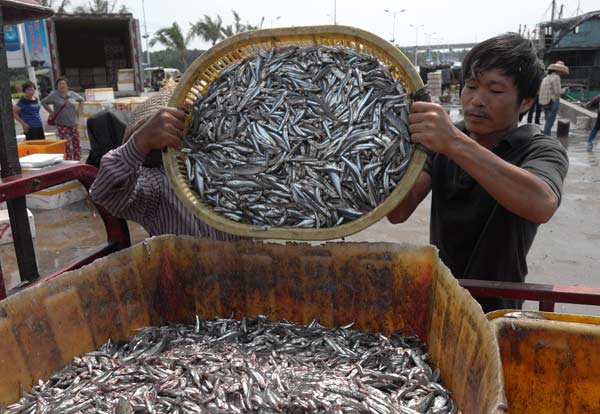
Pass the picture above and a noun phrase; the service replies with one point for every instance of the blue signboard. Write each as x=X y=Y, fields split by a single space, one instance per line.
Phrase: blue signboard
x=37 y=43
x=11 y=37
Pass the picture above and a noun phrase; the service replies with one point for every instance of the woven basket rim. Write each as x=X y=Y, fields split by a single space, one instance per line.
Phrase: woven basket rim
x=206 y=67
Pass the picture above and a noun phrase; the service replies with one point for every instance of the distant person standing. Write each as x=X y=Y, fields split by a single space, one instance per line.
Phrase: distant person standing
x=446 y=80
x=595 y=129
x=27 y=113
x=65 y=115
x=536 y=109
x=550 y=93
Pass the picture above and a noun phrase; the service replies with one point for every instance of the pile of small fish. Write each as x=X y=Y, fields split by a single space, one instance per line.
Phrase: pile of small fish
x=243 y=366
x=302 y=137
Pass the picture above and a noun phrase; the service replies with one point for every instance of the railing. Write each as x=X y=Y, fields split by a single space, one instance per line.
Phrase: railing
x=18 y=186
x=546 y=295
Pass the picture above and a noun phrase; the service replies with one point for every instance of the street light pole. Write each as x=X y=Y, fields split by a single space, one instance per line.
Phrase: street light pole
x=334 y=12
x=274 y=20
x=440 y=41
x=394 y=14
x=146 y=34
x=429 y=39
x=416 y=39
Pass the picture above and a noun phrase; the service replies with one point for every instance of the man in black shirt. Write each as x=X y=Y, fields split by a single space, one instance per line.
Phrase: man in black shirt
x=492 y=181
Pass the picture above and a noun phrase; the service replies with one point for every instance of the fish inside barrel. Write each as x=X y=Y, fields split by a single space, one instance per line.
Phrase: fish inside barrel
x=307 y=137
x=247 y=366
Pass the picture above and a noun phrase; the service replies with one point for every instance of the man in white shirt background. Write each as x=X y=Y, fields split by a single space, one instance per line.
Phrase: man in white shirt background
x=550 y=92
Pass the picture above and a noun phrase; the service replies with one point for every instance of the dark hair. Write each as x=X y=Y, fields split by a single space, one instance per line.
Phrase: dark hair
x=62 y=78
x=26 y=85
x=513 y=55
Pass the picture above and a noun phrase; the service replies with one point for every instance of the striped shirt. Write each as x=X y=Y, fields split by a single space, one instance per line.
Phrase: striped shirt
x=550 y=89
x=129 y=190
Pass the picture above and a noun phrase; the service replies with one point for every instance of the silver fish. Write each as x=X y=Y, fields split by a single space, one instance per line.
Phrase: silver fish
x=300 y=120
x=248 y=365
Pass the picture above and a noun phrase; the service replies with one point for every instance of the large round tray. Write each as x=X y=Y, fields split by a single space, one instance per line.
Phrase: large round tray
x=206 y=68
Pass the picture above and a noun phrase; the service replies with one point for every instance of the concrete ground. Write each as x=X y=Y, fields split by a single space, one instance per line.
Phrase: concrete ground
x=566 y=250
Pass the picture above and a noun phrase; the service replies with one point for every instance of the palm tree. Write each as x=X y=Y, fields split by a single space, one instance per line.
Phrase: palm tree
x=208 y=29
x=60 y=9
x=101 y=7
x=228 y=31
x=172 y=38
x=237 y=26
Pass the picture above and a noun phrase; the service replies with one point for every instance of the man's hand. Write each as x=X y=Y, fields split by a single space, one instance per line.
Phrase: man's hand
x=163 y=129
x=25 y=127
x=430 y=125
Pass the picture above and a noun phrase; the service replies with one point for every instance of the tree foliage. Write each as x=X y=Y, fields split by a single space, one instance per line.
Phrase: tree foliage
x=172 y=38
x=237 y=26
x=57 y=6
x=102 y=7
x=208 y=29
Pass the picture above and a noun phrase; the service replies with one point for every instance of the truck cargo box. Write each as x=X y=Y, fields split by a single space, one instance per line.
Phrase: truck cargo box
x=90 y=49
x=380 y=286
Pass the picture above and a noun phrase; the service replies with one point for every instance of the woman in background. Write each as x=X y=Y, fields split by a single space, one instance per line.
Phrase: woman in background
x=27 y=113
x=65 y=115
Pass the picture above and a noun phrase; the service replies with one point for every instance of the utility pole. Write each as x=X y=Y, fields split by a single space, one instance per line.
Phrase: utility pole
x=334 y=12
x=416 y=40
x=553 y=10
x=274 y=20
x=394 y=14
x=146 y=34
x=25 y=49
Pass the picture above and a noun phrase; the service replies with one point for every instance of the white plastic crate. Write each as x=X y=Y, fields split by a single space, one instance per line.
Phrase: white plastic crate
x=99 y=94
x=6 y=235
x=57 y=196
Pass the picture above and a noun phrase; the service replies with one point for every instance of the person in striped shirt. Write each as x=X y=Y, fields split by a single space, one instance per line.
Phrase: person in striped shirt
x=131 y=182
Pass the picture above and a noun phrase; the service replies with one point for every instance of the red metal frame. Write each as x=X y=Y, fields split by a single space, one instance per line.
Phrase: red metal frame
x=117 y=235
x=546 y=295
x=117 y=232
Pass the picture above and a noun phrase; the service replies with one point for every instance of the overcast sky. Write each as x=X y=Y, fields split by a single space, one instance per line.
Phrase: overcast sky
x=444 y=21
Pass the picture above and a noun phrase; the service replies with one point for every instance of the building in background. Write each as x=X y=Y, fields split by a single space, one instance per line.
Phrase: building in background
x=575 y=41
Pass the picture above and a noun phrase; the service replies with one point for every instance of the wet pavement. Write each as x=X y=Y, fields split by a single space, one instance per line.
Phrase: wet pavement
x=566 y=250
x=63 y=235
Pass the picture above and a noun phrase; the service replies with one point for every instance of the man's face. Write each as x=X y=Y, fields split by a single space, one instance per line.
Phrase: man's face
x=490 y=104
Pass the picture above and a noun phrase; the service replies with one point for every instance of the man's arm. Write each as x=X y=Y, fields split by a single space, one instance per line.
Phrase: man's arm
x=122 y=185
x=515 y=188
x=415 y=196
